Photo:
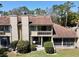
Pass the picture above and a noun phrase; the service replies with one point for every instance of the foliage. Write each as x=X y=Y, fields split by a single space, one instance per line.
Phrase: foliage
x=49 y=47
x=62 y=14
x=3 y=52
x=39 y=11
x=14 y=44
x=23 y=47
x=33 y=47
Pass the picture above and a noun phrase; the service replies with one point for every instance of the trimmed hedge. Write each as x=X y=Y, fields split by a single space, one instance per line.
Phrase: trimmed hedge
x=49 y=47
x=3 y=52
x=33 y=47
x=23 y=47
x=13 y=45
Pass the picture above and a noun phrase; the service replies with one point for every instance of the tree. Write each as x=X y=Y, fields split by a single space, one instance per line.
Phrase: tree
x=62 y=11
x=24 y=10
x=1 y=7
x=19 y=11
x=39 y=11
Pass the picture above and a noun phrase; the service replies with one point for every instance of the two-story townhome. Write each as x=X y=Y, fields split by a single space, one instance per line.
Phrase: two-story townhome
x=36 y=30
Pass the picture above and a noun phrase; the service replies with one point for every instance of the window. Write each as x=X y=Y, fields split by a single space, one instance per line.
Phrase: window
x=68 y=42
x=44 y=28
x=57 y=41
x=1 y=28
x=7 y=28
x=33 y=28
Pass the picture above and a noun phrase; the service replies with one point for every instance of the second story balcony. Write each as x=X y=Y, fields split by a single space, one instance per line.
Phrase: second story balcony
x=41 y=31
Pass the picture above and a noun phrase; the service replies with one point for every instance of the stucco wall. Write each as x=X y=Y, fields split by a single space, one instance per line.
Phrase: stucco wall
x=14 y=28
x=25 y=28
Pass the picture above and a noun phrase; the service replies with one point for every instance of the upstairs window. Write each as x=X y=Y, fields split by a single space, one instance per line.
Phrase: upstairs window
x=7 y=29
x=33 y=28
x=1 y=28
x=44 y=28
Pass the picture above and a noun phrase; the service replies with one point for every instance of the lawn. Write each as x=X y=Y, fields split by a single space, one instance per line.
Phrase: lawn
x=60 y=53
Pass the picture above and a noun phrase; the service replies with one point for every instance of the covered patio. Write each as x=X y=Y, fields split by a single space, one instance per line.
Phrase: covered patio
x=64 y=37
x=39 y=41
x=64 y=42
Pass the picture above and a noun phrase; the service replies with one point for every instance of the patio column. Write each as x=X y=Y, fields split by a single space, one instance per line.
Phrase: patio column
x=75 y=43
x=41 y=41
x=62 y=42
x=0 y=43
x=31 y=40
x=52 y=41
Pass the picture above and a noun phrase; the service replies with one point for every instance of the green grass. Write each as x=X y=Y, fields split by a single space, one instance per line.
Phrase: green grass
x=60 y=53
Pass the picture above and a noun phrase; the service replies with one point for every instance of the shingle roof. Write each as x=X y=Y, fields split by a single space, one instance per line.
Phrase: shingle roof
x=43 y=20
x=40 y=20
x=63 y=32
x=4 y=20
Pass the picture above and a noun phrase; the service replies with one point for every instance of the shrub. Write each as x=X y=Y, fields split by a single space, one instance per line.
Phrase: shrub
x=3 y=52
x=49 y=47
x=13 y=45
x=33 y=47
x=23 y=47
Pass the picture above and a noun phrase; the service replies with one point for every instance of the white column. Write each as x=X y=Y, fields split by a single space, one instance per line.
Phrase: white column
x=52 y=41
x=25 y=28
x=75 y=43
x=0 y=43
x=62 y=42
x=14 y=28
x=41 y=41
x=31 y=40
x=78 y=37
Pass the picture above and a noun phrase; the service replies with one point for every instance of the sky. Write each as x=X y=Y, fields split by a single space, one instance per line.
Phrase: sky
x=8 y=5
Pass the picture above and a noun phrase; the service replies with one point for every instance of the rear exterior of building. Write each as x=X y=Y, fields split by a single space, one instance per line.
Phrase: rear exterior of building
x=37 y=30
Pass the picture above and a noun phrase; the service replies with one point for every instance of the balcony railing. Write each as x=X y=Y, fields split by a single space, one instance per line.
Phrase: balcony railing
x=35 y=33
x=44 y=33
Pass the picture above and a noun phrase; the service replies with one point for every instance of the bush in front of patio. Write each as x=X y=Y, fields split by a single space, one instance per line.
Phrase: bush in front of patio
x=49 y=47
x=23 y=47
x=3 y=52
x=33 y=47
x=13 y=45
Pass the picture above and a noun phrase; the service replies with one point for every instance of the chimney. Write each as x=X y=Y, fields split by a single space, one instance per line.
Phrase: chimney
x=25 y=28
x=14 y=28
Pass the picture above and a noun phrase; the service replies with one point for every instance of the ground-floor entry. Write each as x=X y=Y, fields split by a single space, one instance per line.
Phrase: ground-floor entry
x=64 y=42
x=39 y=41
x=4 y=41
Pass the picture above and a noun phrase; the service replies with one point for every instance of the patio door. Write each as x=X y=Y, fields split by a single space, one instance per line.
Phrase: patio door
x=37 y=41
